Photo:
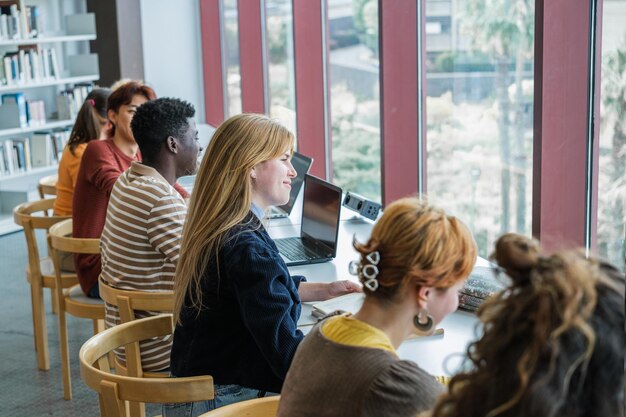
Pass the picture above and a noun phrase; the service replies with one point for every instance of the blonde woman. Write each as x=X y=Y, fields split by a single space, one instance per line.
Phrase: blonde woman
x=412 y=267
x=236 y=306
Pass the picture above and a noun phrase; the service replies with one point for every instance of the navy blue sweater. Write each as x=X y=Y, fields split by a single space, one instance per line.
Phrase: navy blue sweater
x=246 y=332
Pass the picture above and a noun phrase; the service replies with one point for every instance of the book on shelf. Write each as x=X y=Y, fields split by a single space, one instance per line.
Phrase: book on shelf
x=8 y=157
x=42 y=150
x=22 y=149
x=19 y=24
x=34 y=27
x=20 y=101
x=70 y=101
x=36 y=112
x=47 y=146
x=29 y=65
x=10 y=27
x=24 y=153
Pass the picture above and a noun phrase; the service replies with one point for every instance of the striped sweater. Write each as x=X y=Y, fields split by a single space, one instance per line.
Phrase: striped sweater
x=140 y=246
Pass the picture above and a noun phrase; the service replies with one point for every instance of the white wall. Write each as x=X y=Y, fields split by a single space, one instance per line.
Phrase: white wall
x=172 y=50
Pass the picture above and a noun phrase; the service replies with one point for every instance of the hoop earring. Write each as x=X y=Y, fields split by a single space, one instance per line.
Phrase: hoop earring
x=424 y=327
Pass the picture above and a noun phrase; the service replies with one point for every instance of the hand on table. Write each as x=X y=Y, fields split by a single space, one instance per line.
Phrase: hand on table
x=324 y=291
x=338 y=288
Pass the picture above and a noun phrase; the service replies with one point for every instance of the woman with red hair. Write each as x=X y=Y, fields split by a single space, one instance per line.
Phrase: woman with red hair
x=411 y=268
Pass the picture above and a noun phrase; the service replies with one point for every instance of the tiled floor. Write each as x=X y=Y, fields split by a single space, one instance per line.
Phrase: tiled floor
x=24 y=390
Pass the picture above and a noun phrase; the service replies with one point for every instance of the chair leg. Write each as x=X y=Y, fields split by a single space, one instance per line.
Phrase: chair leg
x=98 y=326
x=65 y=356
x=32 y=308
x=40 y=332
x=55 y=301
x=103 y=412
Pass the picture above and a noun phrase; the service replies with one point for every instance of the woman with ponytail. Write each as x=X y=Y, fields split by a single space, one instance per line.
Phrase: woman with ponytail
x=411 y=268
x=553 y=342
x=91 y=123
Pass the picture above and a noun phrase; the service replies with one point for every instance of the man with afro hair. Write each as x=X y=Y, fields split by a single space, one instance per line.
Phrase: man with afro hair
x=141 y=238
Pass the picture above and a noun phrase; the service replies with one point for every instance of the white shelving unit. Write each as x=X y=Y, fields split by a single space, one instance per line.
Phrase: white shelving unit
x=48 y=83
x=69 y=33
x=51 y=124
x=48 y=39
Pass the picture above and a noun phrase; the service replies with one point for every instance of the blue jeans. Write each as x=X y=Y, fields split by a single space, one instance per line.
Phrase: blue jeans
x=224 y=395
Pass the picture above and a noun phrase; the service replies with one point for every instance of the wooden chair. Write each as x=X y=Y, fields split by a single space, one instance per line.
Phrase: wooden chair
x=72 y=300
x=127 y=302
x=47 y=186
x=116 y=390
x=40 y=271
x=261 y=407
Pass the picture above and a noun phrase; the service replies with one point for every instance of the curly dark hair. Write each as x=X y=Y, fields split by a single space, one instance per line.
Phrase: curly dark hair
x=553 y=342
x=158 y=119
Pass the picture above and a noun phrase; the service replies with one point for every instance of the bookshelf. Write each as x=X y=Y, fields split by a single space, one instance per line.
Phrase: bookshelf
x=47 y=45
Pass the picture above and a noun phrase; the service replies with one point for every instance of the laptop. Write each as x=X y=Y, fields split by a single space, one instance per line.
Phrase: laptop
x=301 y=164
x=320 y=224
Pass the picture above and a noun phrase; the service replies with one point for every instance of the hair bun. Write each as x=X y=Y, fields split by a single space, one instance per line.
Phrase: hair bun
x=517 y=254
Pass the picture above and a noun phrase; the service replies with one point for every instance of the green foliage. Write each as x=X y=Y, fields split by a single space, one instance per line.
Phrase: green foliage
x=277 y=39
x=499 y=27
x=451 y=61
x=612 y=163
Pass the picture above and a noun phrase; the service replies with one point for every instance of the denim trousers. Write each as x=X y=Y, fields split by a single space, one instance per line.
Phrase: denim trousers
x=224 y=395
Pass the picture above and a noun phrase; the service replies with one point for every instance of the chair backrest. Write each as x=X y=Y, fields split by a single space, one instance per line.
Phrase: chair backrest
x=261 y=407
x=32 y=216
x=48 y=185
x=117 y=389
x=129 y=301
x=61 y=239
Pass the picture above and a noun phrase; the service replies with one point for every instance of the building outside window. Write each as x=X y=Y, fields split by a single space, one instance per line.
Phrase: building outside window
x=231 y=56
x=479 y=113
x=354 y=96
x=279 y=35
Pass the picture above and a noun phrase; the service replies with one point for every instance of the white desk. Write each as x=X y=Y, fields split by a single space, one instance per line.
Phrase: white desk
x=439 y=355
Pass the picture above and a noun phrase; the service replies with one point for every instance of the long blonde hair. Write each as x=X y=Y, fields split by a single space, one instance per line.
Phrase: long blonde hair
x=222 y=195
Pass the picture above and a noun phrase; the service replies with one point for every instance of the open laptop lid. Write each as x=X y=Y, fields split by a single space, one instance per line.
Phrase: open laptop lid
x=321 y=207
x=301 y=164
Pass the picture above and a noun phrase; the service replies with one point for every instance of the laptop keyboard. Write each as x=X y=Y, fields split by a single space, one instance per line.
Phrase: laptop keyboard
x=295 y=250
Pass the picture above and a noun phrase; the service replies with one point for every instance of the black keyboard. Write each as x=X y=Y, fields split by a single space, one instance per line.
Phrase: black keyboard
x=294 y=249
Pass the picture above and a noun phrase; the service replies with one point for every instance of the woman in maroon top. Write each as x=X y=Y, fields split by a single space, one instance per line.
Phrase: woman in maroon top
x=103 y=162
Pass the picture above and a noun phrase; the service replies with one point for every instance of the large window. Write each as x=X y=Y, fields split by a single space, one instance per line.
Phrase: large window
x=279 y=32
x=231 y=56
x=479 y=113
x=354 y=96
x=612 y=162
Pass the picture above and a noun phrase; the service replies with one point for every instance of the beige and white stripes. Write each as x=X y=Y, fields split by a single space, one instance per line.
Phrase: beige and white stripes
x=140 y=246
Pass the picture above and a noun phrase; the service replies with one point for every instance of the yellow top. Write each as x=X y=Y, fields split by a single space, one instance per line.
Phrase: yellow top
x=68 y=172
x=350 y=331
x=347 y=330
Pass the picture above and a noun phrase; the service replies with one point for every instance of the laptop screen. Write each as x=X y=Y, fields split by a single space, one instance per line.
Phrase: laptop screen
x=320 y=211
x=301 y=164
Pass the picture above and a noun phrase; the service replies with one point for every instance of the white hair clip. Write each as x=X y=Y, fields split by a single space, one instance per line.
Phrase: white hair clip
x=367 y=272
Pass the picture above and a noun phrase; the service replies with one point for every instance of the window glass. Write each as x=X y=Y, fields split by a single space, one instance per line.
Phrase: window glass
x=231 y=57
x=354 y=96
x=612 y=158
x=479 y=110
x=279 y=35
